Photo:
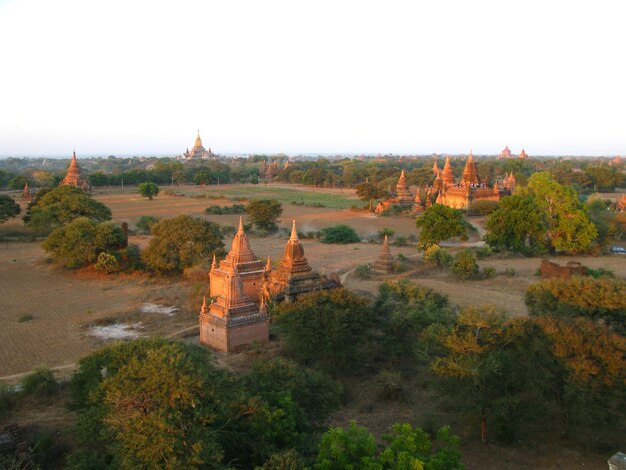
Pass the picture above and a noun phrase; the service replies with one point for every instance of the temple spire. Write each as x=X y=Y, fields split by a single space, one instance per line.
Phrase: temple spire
x=268 y=265
x=294 y=232
x=240 y=229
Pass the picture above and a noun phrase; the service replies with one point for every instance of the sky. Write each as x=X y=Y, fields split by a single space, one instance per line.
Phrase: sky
x=139 y=77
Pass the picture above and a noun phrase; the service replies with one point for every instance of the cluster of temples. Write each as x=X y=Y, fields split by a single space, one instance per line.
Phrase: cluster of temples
x=241 y=285
x=198 y=152
x=506 y=153
x=447 y=190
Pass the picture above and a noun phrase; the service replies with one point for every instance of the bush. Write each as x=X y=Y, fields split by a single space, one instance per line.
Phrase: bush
x=107 y=262
x=39 y=383
x=489 y=271
x=438 y=256
x=340 y=233
x=484 y=252
x=400 y=241
x=25 y=318
x=483 y=207
x=363 y=272
x=224 y=210
x=509 y=272
x=390 y=385
x=8 y=398
x=148 y=189
x=145 y=223
x=465 y=265
x=385 y=231
x=264 y=213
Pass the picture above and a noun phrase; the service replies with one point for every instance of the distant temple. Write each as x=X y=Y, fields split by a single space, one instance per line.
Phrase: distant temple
x=74 y=176
x=523 y=154
x=294 y=276
x=198 y=152
x=26 y=195
x=384 y=262
x=445 y=190
x=402 y=196
x=506 y=153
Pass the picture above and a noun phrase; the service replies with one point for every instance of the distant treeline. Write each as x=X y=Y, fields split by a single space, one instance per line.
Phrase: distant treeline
x=583 y=174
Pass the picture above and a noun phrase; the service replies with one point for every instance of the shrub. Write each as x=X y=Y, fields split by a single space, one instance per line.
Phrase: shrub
x=438 y=256
x=489 y=271
x=148 y=189
x=24 y=318
x=340 y=233
x=145 y=223
x=264 y=213
x=509 y=272
x=400 y=241
x=386 y=231
x=39 y=383
x=8 y=398
x=465 y=265
x=107 y=262
x=483 y=252
x=363 y=271
x=390 y=385
x=483 y=207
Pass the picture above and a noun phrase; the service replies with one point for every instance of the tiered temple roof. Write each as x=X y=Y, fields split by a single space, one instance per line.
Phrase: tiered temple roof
x=523 y=154
x=232 y=320
x=384 y=262
x=506 y=153
x=74 y=175
x=242 y=257
x=198 y=151
x=403 y=194
x=447 y=175
x=470 y=177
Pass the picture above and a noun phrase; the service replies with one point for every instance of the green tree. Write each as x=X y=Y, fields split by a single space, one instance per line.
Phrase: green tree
x=181 y=242
x=264 y=213
x=152 y=403
x=8 y=208
x=340 y=233
x=369 y=191
x=568 y=227
x=18 y=182
x=465 y=265
x=62 y=205
x=148 y=189
x=517 y=225
x=326 y=328
x=81 y=241
x=438 y=223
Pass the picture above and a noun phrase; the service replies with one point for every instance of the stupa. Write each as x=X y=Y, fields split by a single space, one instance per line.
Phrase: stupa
x=384 y=262
x=294 y=276
x=232 y=320
x=447 y=175
x=402 y=198
x=26 y=195
x=74 y=176
x=242 y=257
x=523 y=154
x=469 y=178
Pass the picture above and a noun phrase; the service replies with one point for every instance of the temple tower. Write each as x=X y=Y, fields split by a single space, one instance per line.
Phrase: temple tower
x=26 y=195
x=447 y=175
x=242 y=257
x=403 y=194
x=469 y=177
x=232 y=320
x=436 y=169
x=384 y=262
x=198 y=151
x=523 y=154
x=74 y=176
x=506 y=153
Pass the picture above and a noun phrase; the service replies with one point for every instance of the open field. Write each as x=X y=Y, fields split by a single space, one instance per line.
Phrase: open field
x=64 y=304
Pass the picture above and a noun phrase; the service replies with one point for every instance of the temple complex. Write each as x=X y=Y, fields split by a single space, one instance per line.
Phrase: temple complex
x=74 y=176
x=469 y=188
x=506 y=153
x=232 y=320
x=198 y=151
x=249 y=267
x=26 y=195
x=384 y=262
x=509 y=182
x=294 y=276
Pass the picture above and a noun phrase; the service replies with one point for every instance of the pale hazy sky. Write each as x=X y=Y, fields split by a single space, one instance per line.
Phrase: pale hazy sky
x=139 y=77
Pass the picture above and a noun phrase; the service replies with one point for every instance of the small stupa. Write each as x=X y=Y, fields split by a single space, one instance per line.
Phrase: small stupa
x=523 y=154
x=447 y=175
x=384 y=262
x=74 y=176
x=26 y=195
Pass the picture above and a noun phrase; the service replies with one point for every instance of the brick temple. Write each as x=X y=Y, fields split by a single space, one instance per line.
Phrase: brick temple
x=74 y=176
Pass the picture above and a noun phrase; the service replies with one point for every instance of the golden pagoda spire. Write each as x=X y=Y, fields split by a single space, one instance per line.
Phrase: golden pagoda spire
x=294 y=232
x=214 y=263
x=240 y=229
x=268 y=265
